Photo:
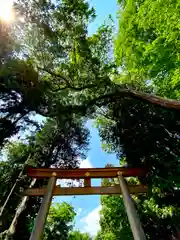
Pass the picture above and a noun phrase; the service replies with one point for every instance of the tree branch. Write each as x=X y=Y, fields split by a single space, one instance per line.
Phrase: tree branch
x=55 y=75
x=103 y=100
x=156 y=100
x=69 y=86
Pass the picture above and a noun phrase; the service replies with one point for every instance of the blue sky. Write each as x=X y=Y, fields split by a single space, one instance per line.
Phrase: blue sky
x=103 y=9
x=87 y=207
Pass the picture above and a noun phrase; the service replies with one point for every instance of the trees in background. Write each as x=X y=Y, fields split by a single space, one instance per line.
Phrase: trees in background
x=147 y=45
x=59 y=222
x=113 y=219
x=79 y=236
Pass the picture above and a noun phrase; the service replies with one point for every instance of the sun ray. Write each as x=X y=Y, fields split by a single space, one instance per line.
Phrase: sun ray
x=6 y=10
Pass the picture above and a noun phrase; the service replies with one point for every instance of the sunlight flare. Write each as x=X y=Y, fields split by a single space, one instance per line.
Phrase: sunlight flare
x=6 y=10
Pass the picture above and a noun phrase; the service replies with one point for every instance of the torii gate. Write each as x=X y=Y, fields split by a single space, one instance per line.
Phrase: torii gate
x=87 y=174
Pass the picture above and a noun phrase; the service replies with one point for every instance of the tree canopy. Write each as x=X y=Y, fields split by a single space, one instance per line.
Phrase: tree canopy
x=79 y=236
x=59 y=222
x=147 y=45
x=113 y=219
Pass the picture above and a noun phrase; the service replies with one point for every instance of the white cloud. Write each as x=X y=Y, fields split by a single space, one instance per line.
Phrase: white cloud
x=78 y=211
x=91 y=222
x=68 y=182
x=86 y=164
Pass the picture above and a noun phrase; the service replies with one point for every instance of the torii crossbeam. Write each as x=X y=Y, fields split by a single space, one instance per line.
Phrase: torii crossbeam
x=86 y=174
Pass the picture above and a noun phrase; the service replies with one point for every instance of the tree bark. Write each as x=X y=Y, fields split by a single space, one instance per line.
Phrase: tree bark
x=22 y=206
x=11 y=192
x=154 y=99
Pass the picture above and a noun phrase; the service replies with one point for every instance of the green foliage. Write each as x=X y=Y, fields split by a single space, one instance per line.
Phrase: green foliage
x=59 y=221
x=147 y=45
x=113 y=218
x=59 y=224
x=19 y=82
x=61 y=142
x=76 y=235
x=106 y=236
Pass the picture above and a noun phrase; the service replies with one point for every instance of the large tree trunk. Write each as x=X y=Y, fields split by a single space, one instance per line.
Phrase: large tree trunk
x=22 y=206
x=11 y=192
x=160 y=101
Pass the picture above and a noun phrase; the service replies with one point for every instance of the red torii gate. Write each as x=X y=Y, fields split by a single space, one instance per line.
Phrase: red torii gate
x=87 y=174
